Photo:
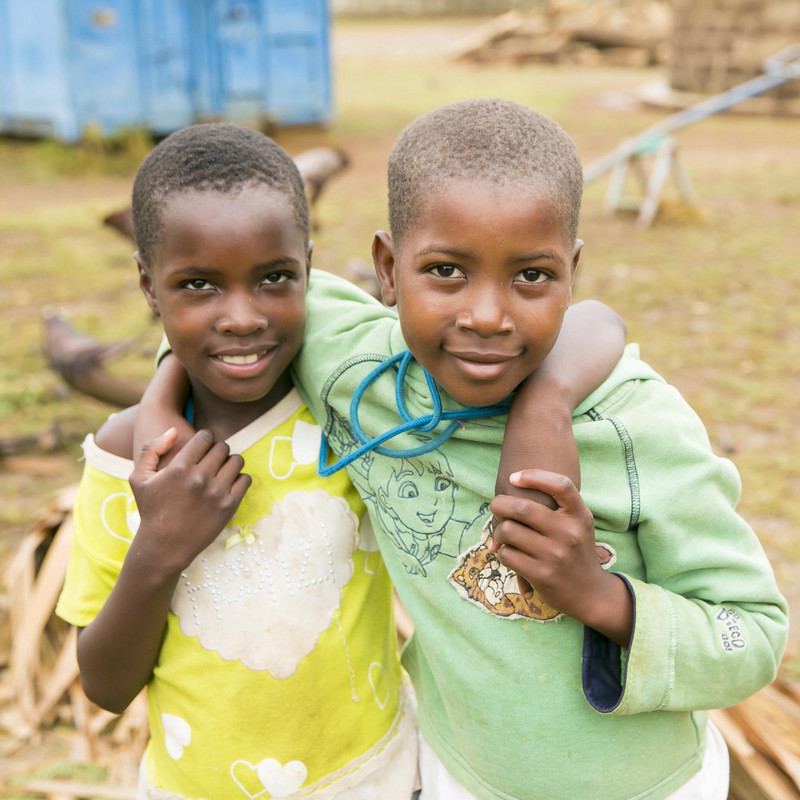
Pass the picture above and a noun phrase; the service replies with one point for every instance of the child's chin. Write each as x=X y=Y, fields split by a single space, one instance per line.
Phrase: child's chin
x=478 y=398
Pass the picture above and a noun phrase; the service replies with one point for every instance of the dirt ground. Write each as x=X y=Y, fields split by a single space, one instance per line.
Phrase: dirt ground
x=622 y=268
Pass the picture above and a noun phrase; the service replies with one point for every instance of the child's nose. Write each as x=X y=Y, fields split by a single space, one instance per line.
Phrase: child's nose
x=486 y=313
x=241 y=315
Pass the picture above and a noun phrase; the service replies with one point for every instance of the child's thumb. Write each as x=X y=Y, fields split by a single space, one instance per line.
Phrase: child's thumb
x=153 y=450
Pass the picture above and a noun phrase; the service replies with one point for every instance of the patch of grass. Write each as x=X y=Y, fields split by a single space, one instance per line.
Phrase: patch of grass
x=61 y=770
x=49 y=160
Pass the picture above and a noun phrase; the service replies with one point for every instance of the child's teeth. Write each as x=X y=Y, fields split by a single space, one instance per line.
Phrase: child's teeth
x=239 y=359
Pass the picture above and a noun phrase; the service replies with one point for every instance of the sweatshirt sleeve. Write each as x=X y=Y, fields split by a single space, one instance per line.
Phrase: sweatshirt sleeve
x=710 y=624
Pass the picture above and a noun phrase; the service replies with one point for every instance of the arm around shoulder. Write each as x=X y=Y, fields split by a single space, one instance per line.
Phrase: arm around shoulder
x=539 y=429
x=115 y=435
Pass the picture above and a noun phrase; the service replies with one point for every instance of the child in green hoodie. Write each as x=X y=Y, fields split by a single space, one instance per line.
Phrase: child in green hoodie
x=567 y=652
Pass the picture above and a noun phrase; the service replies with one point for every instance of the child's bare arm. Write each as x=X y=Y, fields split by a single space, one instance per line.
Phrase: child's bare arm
x=539 y=429
x=161 y=408
x=182 y=508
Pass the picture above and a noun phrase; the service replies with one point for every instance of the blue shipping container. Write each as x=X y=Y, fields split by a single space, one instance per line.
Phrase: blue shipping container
x=66 y=65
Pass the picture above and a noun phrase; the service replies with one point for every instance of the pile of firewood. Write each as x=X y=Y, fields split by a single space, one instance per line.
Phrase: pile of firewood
x=39 y=686
x=763 y=738
x=633 y=34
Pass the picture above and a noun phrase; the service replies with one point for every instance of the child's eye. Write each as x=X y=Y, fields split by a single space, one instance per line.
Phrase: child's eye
x=531 y=276
x=196 y=284
x=276 y=277
x=446 y=271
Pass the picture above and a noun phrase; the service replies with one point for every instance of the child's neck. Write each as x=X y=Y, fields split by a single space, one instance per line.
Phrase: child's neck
x=224 y=418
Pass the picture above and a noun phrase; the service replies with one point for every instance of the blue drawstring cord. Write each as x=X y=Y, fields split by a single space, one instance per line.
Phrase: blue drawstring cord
x=424 y=423
x=188 y=410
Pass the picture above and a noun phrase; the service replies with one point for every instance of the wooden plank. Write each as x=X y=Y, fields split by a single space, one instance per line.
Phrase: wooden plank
x=71 y=789
x=63 y=675
x=753 y=776
x=762 y=729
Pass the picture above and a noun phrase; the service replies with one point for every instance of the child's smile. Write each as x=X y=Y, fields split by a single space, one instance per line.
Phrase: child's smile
x=481 y=281
x=229 y=279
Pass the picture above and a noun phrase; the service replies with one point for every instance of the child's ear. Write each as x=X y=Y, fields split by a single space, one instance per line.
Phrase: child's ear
x=383 y=260
x=146 y=284
x=576 y=256
x=309 y=252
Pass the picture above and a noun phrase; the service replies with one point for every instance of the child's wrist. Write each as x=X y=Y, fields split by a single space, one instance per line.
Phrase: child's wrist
x=547 y=393
x=149 y=561
x=610 y=609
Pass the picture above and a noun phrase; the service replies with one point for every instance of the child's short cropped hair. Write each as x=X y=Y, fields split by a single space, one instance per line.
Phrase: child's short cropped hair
x=490 y=140
x=220 y=157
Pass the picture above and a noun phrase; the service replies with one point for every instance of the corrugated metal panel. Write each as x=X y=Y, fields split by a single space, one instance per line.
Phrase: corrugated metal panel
x=298 y=60
x=103 y=63
x=161 y=64
x=34 y=85
x=169 y=64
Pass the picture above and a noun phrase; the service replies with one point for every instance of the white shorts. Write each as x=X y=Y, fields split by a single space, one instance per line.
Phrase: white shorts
x=711 y=783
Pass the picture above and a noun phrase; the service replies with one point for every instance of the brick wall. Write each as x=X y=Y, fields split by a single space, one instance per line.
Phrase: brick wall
x=718 y=44
x=423 y=8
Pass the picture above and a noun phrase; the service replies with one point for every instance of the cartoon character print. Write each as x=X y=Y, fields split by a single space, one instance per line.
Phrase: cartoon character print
x=481 y=579
x=414 y=498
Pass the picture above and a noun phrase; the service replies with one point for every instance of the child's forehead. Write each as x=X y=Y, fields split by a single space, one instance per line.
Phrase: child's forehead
x=203 y=197
x=244 y=208
x=467 y=201
x=460 y=191
x=205 y=220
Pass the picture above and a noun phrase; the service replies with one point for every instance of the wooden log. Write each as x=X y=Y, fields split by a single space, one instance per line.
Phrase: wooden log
x=71 y=789
x=487 y=34
x=753 y=776
x=772 y=731
x=605 y=38
x=81 y=359
x=34 y=603
x=121 y=221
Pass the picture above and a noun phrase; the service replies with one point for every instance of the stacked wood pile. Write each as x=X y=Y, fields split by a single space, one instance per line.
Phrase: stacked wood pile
x=39 y=688
x=635 y=34
x=763 y=738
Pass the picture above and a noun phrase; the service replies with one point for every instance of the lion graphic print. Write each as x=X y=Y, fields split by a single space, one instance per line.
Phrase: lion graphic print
x=480 y=578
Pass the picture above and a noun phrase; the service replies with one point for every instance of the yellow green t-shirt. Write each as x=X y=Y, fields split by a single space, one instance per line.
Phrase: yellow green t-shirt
x=278 y=675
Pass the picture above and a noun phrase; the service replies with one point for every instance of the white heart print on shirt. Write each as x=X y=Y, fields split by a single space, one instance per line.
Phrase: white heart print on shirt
x=177 y=735
x=116 y=505
x=275 y=779
x=266 y=603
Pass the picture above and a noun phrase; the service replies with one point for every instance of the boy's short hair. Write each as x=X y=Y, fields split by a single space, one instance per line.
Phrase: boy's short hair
x=220 y=157
x=490 y=140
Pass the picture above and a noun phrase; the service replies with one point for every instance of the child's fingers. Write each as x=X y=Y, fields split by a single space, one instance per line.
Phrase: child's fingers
x=558 y=486
x=216 y=457
x=195 y=449
x=521 y=537
x=154 y=449
x=525 y=589
x=229 y=469
x=529 y=513
x=240 y=487
x=519 y=562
